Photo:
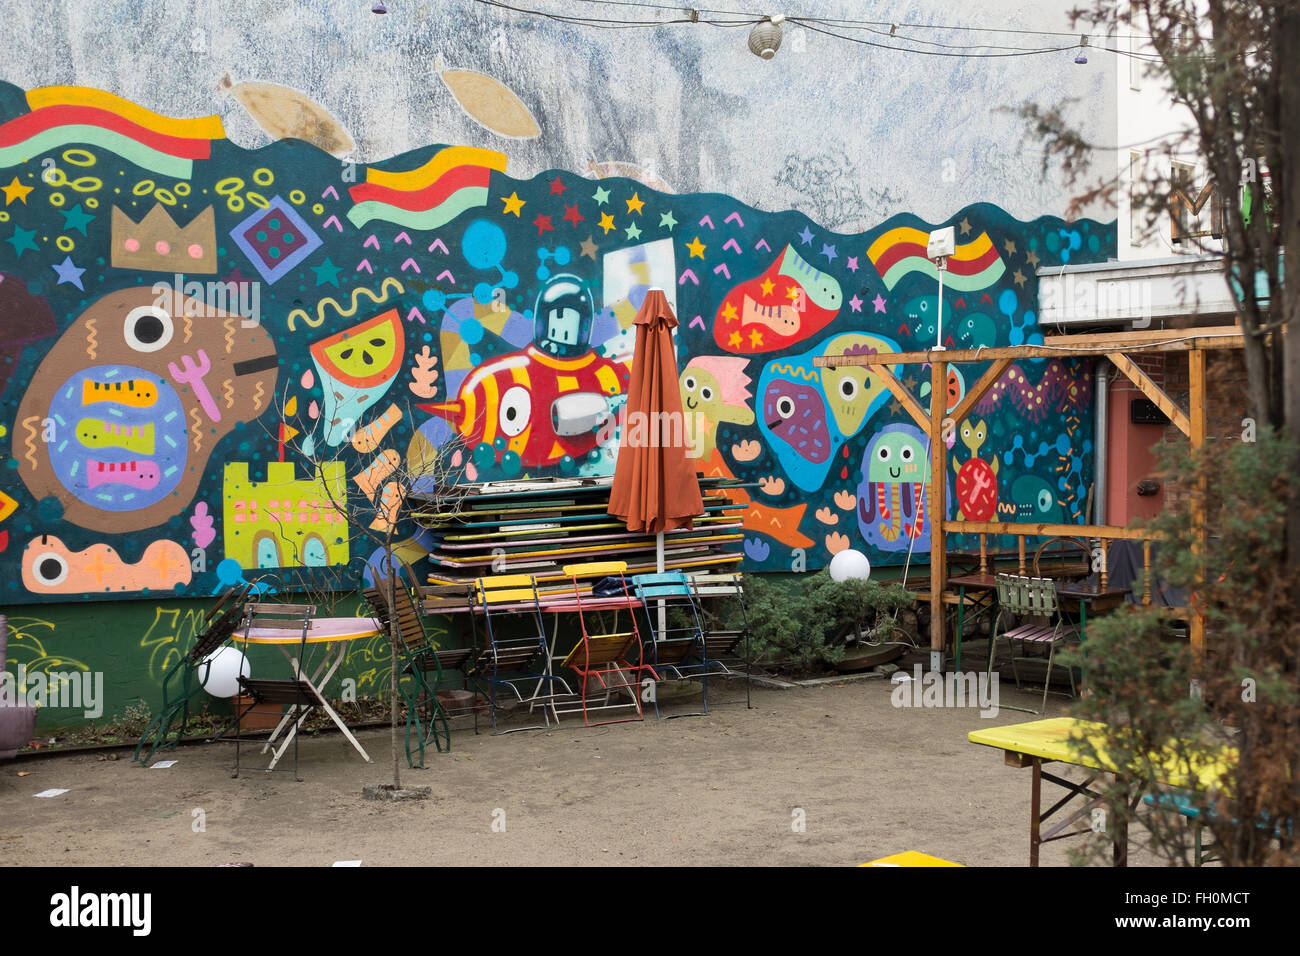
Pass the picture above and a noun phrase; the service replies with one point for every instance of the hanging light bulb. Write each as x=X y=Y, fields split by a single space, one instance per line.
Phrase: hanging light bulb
x=765 y=38
x=1082 y=58
x=379 y=7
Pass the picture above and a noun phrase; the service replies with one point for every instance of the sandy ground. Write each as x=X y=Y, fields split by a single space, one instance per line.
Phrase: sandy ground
x=871 y=780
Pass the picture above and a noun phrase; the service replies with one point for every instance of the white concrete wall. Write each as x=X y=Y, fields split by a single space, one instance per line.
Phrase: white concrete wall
x=848 y=133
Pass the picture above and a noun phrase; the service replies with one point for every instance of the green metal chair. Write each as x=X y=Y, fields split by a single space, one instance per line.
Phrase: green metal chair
x=1034 y=598
x=420 y=662
x=187 y=677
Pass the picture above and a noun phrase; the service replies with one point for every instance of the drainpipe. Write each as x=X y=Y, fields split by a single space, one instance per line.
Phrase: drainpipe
x=1099 y=440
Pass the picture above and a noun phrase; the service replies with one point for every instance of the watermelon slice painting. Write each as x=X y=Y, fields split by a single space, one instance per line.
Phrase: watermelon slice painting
x=357 y=367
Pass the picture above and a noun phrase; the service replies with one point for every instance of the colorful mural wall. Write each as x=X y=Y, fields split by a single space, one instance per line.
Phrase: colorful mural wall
x=192 y=336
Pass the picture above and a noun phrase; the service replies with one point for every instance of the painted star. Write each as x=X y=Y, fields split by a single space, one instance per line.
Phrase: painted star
x=697 y=248
x=909 y=382
x=666 y=221
x=767 y=286
x=21 y=240
x=855 y=304
x=729 y=312
x=829 y=251
x=793 y=292
x=572 y=215
x=543 y=224
x=16 y=190
x=894 y=407
x=327 y=273
x=69 y=273
x=588 y=249
x=1019 y=277
x=1032 y=256
x=965 y=226
x=606 y=222
x=513 y=204
x=734 y=341
x=635 y=204
x=1010 y=246
x=76 y=218
x=879 y=302
x=557 y=187
x=806 y=236
x=853 y=263
x=601 y=196
x=633 y=232
x=756 y=338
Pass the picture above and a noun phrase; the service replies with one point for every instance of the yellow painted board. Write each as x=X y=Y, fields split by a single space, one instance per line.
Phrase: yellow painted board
x=1050 y=740
x=911 y=858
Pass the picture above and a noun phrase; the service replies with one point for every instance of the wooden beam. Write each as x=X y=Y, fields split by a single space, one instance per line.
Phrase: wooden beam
x=978 y=390
x=1058 y=347
x=1051 y=530
x=935 y=515
x=1151 y=390
x=1196 y=432
x=905 y=398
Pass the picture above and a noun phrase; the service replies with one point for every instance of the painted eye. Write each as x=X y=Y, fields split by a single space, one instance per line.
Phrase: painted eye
x=883 y=453
x=785 y=406
x=706 y=393
x=50 y=568
x=148 y=328
x=905 y=453
x=1044 y=500
x=965 y=433
x=689 y=383
x=848 y=389
x=516 y=408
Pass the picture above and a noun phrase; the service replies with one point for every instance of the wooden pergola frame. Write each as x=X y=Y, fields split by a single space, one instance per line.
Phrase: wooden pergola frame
x=1116 y=346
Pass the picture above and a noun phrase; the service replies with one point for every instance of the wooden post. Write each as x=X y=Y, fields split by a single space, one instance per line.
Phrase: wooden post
x=984 y=556
x=938 y=475
x=1196 y=421
x=1020 y=541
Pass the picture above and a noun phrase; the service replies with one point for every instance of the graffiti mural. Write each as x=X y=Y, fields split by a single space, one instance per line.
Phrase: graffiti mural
x=192 y=334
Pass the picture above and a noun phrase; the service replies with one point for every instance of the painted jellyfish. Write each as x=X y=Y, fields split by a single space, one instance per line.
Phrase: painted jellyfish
x=893 y=497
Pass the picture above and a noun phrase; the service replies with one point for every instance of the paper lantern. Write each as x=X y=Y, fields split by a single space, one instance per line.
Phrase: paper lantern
x=765 y=38
x=849 y=565
x=221 y=670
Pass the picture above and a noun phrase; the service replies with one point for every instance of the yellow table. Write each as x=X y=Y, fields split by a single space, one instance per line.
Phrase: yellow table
x=1039 y=742
x=910 y=858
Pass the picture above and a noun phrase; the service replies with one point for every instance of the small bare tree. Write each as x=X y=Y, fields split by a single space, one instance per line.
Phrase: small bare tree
x=374 y=500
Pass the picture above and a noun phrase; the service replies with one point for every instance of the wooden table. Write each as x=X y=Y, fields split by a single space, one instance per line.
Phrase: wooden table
x=1039 y=742
x=1073 y=594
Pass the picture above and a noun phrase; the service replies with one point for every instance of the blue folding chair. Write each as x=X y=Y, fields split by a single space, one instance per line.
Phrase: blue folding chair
x=677 y=650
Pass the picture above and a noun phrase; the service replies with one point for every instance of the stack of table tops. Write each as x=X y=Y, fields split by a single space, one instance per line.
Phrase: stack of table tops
x=539 y=526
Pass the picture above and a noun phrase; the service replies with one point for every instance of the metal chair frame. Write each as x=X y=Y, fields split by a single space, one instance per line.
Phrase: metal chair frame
x=297 y=693
x=1030 y=597
x=419 y=660
x=527 y=658
x=604 y=655
x=680 y=651
x=220 y=625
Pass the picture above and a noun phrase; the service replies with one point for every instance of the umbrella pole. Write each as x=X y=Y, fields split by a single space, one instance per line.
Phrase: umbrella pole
x=659 y=564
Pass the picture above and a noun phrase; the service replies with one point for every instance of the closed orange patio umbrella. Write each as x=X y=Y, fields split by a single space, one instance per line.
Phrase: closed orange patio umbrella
x=656 y=488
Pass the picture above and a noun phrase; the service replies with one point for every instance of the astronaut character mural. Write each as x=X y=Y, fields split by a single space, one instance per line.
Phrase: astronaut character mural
x=203 y=348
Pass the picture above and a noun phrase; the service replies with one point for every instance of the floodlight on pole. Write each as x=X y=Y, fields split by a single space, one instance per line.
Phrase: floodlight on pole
x=942 y=244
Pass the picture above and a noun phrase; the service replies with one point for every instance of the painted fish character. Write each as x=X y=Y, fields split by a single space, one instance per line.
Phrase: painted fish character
x=788 y=303
x=539 y=406
x=806 y=413
x=1032 y=499
x=894 y=494
x=121 y=460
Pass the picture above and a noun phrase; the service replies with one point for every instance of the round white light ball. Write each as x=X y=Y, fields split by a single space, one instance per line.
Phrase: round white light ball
x=221 y=671
x=849 y=565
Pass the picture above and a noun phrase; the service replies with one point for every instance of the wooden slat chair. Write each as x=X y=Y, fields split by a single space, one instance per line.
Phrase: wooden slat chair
x=727 y=649
x=608 y=662
x=678 y=650
x=451 y=599
x=418 y=660
x=507 y=660
x=297 y=693
x=186 y=678
x=1034 y=598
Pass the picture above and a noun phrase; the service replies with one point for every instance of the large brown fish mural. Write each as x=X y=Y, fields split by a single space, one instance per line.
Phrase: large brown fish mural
x=121 y=417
